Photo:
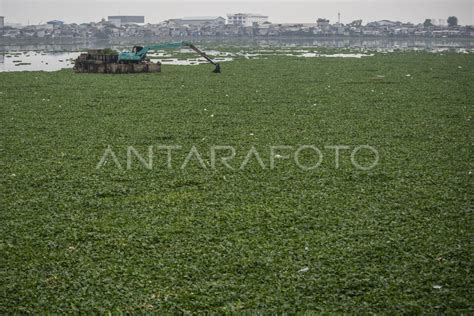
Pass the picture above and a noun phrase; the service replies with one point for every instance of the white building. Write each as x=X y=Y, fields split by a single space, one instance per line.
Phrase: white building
x=246 y=19
x=439 y=22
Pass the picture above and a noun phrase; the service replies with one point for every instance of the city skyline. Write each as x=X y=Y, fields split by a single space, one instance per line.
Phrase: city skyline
x=40 y=11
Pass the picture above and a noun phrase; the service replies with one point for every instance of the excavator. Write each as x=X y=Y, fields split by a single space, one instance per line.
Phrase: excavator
x=138 y=53
x=134 y=61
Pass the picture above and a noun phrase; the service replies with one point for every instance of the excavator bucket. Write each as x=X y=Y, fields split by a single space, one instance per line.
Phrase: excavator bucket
x=217 y=70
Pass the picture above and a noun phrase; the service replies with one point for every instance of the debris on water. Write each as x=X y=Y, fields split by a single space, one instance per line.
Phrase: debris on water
x=437 y=287
x=305 y=269
x=310 y=55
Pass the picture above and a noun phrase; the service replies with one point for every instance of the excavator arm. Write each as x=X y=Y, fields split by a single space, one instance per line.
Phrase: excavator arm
x=204 y=55
x=138 y=53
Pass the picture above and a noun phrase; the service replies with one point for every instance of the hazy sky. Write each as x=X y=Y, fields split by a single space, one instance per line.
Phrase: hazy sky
x=79 y=11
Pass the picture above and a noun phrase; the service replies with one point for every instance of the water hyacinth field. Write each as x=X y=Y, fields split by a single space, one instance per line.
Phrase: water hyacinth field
x=81 y=232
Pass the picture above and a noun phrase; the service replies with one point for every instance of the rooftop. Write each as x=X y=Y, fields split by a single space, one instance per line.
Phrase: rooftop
x=199 y=18
x=248 y=14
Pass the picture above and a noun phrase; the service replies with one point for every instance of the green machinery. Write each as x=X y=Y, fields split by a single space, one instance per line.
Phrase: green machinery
x=138 y=53
x=135 y=61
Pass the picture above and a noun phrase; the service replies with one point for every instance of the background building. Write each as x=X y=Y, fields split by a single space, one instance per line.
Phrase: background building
x=246 y=19
x=120 y=20
x=197 y=21
x=439 y=22
x=2 y=22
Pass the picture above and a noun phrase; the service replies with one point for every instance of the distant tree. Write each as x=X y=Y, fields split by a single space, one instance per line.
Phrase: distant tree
x=321 y=22
x=452 y=21
x=427 y=23
x=356 y=23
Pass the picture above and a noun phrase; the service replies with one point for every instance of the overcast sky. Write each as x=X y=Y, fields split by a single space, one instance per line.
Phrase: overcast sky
x=79 y=11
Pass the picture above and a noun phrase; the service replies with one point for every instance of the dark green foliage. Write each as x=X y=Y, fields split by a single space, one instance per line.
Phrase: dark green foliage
x=427 y=23
x=452 y=21
x=396 y=239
